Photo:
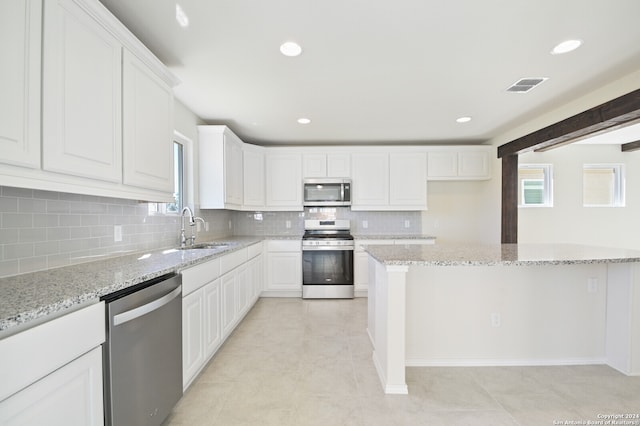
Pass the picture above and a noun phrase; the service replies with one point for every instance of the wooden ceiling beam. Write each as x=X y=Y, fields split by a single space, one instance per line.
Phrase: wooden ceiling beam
x=631 y=146
x=610 y=115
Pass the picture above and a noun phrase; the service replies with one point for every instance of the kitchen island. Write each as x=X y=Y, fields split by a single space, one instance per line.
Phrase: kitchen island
x=502 y=304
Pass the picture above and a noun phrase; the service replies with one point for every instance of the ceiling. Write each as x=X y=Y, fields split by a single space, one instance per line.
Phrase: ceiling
x=379 y=71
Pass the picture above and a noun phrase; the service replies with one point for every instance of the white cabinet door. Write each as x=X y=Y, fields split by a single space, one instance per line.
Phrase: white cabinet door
x=147 y=127
x=370 y=175
x=253 y=182
x=20 y=37
x=229 y=304
x=408 y=180
x=242 y=286
x=81 y=98
x=232 y=170
x=284 y=181
x=71 y=395
x=442 y=164
x=212 y=327
x=284 y=271
x=474 y=164
x=220 y=168
x=339 y=165
x=314 y=165
x=193 y=355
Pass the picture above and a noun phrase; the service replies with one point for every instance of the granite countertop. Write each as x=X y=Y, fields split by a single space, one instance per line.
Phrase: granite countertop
x=498 y=254
x=27 y=299
x=393 y=237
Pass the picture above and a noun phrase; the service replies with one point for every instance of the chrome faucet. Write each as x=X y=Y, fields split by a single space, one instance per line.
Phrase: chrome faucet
x=192 y=223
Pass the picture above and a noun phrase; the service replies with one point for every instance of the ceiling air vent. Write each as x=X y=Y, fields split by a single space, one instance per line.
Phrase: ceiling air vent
x=525 y=84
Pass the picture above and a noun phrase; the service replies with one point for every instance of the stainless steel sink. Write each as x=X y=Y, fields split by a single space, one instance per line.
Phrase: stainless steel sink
x=206 y=246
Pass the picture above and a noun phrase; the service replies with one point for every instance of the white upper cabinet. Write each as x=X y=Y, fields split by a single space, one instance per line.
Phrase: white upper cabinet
x=370 y=180
x=20 y=37
x=283 y=180
x=334 y=165
x=459 y=163
x=408 y=180
x=220 y=168
x=254 y=178
x=81 y=103
x=390 y=180
x=147 y=127
x=474 y=164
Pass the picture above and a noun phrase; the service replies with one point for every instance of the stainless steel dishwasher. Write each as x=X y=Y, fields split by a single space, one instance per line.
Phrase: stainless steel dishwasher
x=143 y=352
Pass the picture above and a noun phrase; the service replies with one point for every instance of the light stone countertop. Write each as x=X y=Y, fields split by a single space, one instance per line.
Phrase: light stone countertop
x=393 y=237
x=28 y=299
x=498 y=254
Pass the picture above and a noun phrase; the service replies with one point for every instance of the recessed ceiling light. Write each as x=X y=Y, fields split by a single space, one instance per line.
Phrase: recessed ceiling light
x=566 y=46
x=290 y=49
x=304 y=120
x=463 y=120
x=181 y=17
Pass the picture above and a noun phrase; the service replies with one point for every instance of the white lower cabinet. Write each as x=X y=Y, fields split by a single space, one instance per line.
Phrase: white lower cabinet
x=71 y=395
x=216 y=296
x=59 y=379
x=284 y=268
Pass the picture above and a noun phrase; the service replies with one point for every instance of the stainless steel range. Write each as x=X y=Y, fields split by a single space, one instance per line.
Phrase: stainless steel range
x=327 y=260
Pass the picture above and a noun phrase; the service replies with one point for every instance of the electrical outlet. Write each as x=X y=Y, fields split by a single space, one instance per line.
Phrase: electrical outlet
x=365 y=224
x=206 y=226
x=287 y=224
x=592 y=285
x=496 y=321
x=407 y=223
x=117 y=233
x=230 y=224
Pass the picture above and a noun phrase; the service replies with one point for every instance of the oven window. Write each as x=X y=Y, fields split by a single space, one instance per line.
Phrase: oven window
x=325 y=267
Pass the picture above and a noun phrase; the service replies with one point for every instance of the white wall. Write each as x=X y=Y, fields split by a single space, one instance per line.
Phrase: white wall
x=568 y=221
x=466 y=211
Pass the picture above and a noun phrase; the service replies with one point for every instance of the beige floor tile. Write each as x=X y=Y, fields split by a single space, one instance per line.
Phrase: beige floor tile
x=308 y=362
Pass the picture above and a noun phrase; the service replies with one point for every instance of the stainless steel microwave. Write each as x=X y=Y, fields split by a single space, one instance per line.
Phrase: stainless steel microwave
x=327 y=192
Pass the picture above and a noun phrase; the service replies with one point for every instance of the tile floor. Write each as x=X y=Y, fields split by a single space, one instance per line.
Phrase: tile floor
x=308 y=362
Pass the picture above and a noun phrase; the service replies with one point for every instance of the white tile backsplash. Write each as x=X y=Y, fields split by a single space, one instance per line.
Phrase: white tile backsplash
x=45 y=229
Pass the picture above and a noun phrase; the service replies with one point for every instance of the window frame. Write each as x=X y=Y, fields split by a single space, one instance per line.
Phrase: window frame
x=547 y=179
x=187 y=177
x=619 y=183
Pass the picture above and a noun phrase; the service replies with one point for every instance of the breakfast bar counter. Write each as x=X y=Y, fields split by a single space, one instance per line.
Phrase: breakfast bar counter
x=502 y=304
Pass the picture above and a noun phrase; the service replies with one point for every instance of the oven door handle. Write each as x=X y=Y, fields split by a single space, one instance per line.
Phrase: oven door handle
x=327 y=248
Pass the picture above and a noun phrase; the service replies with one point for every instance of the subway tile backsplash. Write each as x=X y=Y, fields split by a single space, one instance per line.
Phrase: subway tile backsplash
x=45 y=229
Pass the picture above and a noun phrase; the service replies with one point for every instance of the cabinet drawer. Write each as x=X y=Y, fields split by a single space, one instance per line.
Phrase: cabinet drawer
x=284 y=245
x=254 y=250
x=232 y=260
x=197 y=276
x=42 y=349
x=361 y=243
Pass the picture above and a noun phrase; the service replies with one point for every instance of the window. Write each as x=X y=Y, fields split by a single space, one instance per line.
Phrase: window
x=536 y=185
x=182 y=178
x=603 y=185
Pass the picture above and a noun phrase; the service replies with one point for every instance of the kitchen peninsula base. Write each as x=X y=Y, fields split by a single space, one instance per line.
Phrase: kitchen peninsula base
x=539 y=305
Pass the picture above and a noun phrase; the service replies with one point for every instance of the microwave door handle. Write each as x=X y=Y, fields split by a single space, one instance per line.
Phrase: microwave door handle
x=342 y=192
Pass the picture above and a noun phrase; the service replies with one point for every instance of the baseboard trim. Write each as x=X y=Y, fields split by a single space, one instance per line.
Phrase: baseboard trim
x=502 y=362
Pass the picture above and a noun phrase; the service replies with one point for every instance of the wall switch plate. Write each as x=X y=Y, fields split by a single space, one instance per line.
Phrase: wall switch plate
x=365 y=224
x=198 y=226
x=592 y=285
x=230 y=224
x=287 y=224
x=407 y=223
x=117 y=233
x=496 y=321
x=206 y=226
